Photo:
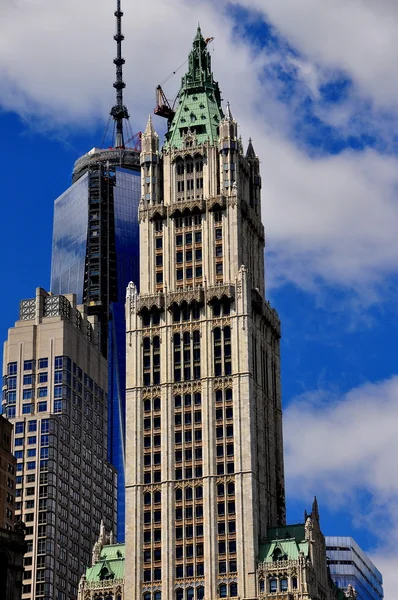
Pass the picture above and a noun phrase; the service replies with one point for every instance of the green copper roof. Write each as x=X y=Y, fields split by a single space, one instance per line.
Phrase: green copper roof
x=286 y=541
x=199 y=107
x=112 y=559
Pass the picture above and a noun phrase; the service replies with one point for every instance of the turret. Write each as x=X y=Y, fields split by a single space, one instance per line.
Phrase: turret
x=149 y=160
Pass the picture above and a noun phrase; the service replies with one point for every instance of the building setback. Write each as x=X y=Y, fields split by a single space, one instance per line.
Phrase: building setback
x=349 y=565
x=55 y=381
x=204 y=460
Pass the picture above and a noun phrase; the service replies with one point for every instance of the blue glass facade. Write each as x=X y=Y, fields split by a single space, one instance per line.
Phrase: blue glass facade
x=350 y=565
x=70 y=240
x=70 y=246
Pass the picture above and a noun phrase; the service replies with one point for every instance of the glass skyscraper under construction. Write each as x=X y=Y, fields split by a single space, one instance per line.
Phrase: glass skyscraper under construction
x=95 y=254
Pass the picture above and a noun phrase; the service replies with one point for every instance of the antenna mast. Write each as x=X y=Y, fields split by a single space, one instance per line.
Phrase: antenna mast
x=119 y=111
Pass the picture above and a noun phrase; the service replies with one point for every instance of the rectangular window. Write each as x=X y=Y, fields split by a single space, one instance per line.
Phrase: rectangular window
x=12 y=383
x=32 y=426
x=27 y=394
x=26 y=409
x=42 y=392
x=12 y=368
x=19 y=427
x=28 y=379
x=42 y=406
x=58 y=362
x=28 y=365
x=42 y=377
x=43 y=363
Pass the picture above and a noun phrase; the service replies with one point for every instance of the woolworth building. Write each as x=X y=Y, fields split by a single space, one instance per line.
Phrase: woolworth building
x=204 y=456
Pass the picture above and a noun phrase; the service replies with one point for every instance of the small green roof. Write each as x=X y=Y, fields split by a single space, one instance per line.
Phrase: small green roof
x=199 y=109
x=286 y=541
x=112 y=559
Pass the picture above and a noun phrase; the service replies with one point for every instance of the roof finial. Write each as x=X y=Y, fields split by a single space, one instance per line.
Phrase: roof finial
x=250 y=150
x=149 y=130
x=228 y=114
x=119 y=111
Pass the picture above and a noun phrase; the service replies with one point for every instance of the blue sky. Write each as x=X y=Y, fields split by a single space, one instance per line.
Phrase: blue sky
x=314 y=84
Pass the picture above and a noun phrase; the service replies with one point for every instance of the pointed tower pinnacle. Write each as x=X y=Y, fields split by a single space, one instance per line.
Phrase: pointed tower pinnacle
x=250 y=150
x=149 y=130
x=228 y=113
x=119 y=111
x=199 y=110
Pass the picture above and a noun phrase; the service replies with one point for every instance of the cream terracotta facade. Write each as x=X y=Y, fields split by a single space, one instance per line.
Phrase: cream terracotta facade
x=54 y=391
x=204 y=464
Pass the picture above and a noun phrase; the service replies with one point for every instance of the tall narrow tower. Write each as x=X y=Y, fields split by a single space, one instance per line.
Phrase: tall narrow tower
x=95 y=252
x=204 y=471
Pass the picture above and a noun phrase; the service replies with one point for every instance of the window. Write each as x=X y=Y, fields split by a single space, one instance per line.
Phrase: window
x=273 y=585
x=12 y=368
x=233 y=590
x=19 y=427
x=43 y=363
x=28 y=365
x=222 y=590
x=42 y=406
x=28 y=379
x=283 y=584
x=42 y=392
x=42 y=377
x=27 y=409
x=12 y=383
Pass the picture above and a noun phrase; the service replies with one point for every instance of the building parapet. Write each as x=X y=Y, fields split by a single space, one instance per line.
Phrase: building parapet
x=46 y=305
x=264 y=309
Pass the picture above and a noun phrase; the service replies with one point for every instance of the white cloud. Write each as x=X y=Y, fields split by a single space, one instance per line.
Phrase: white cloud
x=359 y=37
x=329 y=218
x=344 y=449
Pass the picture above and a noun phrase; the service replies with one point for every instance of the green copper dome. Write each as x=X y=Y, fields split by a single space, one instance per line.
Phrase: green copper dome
x=199 y=109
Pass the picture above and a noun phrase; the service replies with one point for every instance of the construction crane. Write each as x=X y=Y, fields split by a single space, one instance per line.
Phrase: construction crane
x=136 y=139
x=163 y=106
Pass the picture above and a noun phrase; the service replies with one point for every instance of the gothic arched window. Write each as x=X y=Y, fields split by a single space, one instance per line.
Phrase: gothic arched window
x=273 y=585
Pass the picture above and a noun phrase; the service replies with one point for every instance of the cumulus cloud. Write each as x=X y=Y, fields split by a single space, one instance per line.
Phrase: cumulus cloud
x=344 y=449
x=358 y=37
x=329 y=218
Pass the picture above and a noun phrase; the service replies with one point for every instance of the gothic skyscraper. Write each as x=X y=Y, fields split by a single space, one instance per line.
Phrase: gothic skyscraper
x=204 y=460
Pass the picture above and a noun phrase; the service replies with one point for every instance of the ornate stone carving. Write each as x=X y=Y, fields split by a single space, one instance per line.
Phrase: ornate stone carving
x=150 y=301
x=216 y=292
x=186 y=294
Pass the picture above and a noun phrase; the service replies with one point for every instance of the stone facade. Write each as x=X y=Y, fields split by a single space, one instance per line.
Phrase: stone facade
x=54 y=393
x=105 y=578
x=204 y=453
x=293 y=564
